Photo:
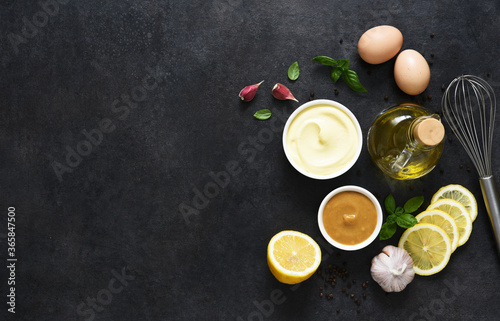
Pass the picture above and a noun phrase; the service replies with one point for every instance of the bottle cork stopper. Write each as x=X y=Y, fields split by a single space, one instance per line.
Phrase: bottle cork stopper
x=429 y=132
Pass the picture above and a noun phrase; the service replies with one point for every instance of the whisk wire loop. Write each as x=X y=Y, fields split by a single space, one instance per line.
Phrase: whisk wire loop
x=469 y=108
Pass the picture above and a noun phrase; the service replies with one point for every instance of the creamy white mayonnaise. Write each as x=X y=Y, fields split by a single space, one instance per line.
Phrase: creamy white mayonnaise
x=322 y=139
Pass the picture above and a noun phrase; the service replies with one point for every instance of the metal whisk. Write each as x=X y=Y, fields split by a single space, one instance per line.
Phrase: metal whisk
x=469 y=107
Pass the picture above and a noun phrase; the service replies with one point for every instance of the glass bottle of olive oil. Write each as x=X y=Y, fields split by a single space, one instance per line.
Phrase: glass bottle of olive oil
x=406 y=141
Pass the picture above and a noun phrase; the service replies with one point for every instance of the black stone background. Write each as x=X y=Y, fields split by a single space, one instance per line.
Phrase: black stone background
x=118 y=210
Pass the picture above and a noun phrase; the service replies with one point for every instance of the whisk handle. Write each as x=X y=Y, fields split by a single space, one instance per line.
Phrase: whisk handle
x=492 y=202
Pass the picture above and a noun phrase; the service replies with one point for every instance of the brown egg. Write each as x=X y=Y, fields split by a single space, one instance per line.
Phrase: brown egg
x=411 y=72
x=379 y=44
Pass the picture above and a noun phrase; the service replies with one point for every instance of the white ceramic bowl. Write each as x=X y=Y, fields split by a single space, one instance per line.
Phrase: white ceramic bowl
x=371 y=238
x=351 y=116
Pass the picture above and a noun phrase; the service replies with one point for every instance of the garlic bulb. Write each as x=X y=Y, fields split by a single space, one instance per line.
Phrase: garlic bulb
x=392 y=269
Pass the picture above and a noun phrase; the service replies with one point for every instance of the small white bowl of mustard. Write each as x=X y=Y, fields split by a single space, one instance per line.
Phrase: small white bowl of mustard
x=350 y=218
x=322 y=139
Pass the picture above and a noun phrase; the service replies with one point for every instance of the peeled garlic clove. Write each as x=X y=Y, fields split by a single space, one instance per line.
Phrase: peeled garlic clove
x=392 y=269
x=247 y=93
x=282 y=93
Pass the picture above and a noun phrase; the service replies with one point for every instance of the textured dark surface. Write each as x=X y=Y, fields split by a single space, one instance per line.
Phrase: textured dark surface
x=117 y=211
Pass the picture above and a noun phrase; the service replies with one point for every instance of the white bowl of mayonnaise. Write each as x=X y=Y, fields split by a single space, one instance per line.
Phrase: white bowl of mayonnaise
x=322 y=139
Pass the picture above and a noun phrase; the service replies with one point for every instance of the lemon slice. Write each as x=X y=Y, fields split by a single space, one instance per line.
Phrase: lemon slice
x=429 y=247
x=459 y=214
x=293 y=256
x=459 y=194
x=444 y=221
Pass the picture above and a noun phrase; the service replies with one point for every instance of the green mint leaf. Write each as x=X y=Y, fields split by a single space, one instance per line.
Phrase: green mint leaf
x=294 y=71
x=413 y=204
x=399 y=210
x=391 y=218
x=344 y=63
x=387 y=230
x=262 y=114
x=336 y=72
x=406 y=220
x=390 y=204
x=351 y=79
x=325 y=60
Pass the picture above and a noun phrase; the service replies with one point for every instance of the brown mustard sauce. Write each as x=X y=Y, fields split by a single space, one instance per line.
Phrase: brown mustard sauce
x=349 y=218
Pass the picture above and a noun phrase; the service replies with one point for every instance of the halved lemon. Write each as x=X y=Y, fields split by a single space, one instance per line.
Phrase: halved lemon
x=444 y=221
x=293 y=256
x=429 y=247
x=459 y=214
x=459 y=194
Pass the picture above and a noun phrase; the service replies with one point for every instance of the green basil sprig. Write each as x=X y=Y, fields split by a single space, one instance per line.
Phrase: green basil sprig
x=399 y=215
x=340 y=67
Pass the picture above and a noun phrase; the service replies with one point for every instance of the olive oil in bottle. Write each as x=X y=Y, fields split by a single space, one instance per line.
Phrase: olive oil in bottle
x=406 y=141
